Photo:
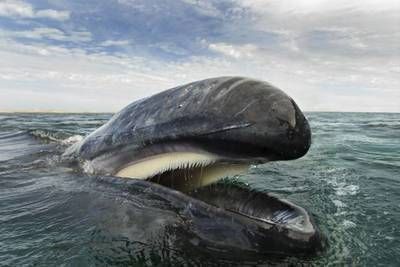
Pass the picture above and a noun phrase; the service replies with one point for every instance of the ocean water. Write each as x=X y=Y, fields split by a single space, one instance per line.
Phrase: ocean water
x=52 y=214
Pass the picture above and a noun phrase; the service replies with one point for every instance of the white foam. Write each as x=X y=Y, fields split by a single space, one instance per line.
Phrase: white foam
x=88 y=167
x=72 y=140
x=346 y=190
x=339 y=204
x=348 y=224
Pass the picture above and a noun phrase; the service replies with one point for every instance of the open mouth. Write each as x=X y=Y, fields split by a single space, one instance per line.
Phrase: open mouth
x=198 y=174
x=183 y=171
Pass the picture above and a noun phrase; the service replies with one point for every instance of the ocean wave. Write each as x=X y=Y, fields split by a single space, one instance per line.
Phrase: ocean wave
x=390 y=125
x=10 y=135
x=55 y=136
x=72 y=139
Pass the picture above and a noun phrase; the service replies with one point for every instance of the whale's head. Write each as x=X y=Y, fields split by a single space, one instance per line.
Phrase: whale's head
x=190 y=136
x=217 y=127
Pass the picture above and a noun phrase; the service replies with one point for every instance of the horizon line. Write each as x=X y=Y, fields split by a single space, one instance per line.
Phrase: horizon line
x=113 y=112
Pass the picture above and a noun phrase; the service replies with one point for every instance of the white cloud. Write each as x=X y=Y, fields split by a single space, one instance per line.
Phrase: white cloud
x=20 y=9
x=320 y=6
x=45 y=74
x=235 y=51
x=115 y=43
x=204 y=7
x=16 y=8
x=101 y=82
x=49 y=33
x=327 y=55
x=52 y=14
x=351 y=23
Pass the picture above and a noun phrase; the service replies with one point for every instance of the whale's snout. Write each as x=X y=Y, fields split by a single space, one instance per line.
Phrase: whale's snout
x=294 y=140
x=272 y=125
x=285 y=129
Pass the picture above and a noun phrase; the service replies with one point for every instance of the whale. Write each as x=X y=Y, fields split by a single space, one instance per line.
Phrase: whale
x=186 y=142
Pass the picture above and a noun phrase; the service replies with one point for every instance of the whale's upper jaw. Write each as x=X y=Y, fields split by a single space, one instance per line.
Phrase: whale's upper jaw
x=226 y=110
x=192 y=163
x=229 y=120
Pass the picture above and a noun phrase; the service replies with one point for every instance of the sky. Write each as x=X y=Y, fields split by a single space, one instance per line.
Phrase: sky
x=100 y=55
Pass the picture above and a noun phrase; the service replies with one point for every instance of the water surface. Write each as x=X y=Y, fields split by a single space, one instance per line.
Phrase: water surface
x=53 y=214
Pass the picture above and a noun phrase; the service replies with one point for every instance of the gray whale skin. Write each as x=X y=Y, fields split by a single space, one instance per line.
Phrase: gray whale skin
x=179 y=143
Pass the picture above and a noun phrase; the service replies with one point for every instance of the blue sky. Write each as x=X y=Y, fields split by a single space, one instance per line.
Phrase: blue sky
x=70 y=55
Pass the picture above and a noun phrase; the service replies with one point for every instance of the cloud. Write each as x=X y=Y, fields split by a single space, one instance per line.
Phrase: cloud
x=327 y=56
x=50 y=34
x=52 y=14
x=102 y=82
x=20 y=9
x=235 y=51
x=306 y=7
x=337 y=28
x=205 y=8
x=115 y=43
x=15 y=9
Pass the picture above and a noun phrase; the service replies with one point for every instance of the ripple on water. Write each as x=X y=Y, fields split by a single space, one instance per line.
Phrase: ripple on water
x=49 y=215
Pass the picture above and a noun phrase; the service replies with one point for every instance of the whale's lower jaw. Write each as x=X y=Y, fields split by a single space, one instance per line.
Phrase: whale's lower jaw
x=183 y=171
x=196 y=173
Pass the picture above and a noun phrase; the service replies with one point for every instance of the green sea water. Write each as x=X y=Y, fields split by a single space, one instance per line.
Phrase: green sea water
x=54 y=215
